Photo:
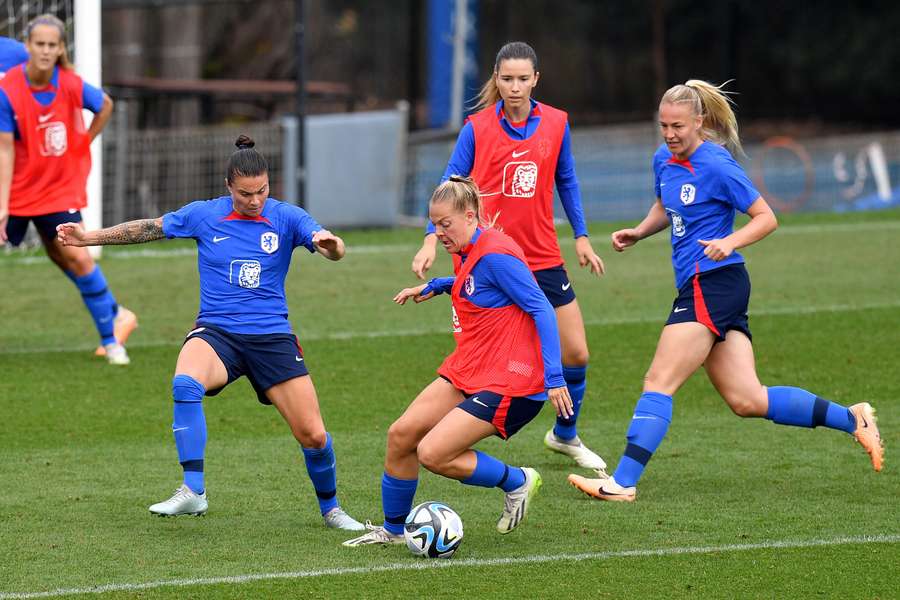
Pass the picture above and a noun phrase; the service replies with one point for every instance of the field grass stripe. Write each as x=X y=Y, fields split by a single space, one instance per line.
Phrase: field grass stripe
x=400 y=333
x=421 y=565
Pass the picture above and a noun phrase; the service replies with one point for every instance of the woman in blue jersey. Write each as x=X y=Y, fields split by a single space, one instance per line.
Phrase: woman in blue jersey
x=699 y=186
x=45 y=161
x=505 y=366
x=245 y=242
x=516 y=149
x=12 y=53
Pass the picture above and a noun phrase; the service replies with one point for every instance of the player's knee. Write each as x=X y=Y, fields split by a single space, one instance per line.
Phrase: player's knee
x=316 y=438
x=430 y=457
x=576 y=357
x=747 y=404
x=402 y=436
x=80 y=264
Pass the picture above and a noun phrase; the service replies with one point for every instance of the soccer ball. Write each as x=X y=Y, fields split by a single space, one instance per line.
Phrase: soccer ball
x=433 y=529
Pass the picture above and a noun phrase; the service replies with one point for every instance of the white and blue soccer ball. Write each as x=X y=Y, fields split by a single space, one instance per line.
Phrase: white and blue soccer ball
x=433 y=530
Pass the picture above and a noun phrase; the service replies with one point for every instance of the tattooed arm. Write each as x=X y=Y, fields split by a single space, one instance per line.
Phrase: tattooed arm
x=132 y=232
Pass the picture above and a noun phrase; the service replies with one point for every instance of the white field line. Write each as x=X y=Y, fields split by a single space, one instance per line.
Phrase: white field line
x=375 y=334
x=565 y=240
x=422 y=565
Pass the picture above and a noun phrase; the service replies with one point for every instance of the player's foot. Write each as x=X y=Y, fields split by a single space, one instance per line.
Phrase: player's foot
x=183 y=502
x=116 y=354
x=124 y=323
x=376 y=535
x=516 y=502
x=336 y=518
x=603 y=488
x=575 y=448
x=867 y=432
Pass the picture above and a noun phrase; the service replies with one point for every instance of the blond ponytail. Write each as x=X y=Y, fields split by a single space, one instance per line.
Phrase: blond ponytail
x=714 y=105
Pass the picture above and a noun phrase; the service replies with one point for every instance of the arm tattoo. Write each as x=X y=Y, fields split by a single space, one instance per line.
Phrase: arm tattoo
x=132 y=232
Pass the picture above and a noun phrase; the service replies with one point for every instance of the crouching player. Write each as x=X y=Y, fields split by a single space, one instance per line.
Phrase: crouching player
x=505 y=365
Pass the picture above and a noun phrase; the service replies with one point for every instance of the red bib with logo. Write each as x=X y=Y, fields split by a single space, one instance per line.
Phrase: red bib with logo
x=53 y=155
x=516 y=180
x=497 y=349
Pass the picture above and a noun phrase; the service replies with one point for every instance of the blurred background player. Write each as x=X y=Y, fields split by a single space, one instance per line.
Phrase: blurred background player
x=12 y=53
x=699 y=186
x=245 y=242
x=505 y=365
x=515 y=148
x=44 y=164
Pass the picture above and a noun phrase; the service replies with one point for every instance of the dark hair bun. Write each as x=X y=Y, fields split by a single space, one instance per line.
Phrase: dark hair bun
x=244 y=142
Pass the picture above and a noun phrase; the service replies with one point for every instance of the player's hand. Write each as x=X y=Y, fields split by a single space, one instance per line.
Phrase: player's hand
x=329 y=244
x=4 y=219
x=70 y=234
x=624 y=238
x=561 y=401
x=415 y=293
x=716 y=249
x=587 y=256
x=423 y=260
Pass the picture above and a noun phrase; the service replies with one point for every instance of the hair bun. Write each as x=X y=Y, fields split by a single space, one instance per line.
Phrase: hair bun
x=244 y=142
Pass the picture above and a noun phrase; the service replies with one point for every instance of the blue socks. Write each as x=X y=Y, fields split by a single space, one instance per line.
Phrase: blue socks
x=651 y=419
x=575 y=381
x=396 y=500
x=490 y=472
x=99 y=302
x=321 y=468
x=189 y=429
x=797 y=407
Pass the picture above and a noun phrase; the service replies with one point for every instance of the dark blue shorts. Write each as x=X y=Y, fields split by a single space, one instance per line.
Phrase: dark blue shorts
x=267 y=359
x=16 y=227
x=717 y=299
x=508 y=414
x=555 y=284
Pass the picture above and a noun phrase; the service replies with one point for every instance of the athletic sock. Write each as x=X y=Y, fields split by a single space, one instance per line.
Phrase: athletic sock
x=396 y=500
x=651 y=419
x=575 y=377
x=189 y=429
x=320 y=465
x=99 y=302
x=797 y=407
x=491 y=472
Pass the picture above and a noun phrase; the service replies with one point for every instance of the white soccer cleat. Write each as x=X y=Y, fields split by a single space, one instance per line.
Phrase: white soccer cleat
x=336 y=518
x=183 y=502
x=575 y=448
x=376 y=536
x=604 y=488
x=116 y=354
x=516 y=502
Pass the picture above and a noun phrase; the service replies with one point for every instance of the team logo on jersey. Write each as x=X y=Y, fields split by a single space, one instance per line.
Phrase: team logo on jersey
x=677 y=223
x=687 y=193
x=457 y=328
x=470 y=285
x=520 y=179
x=269 y=241
x=246 y=272
x=53 y=138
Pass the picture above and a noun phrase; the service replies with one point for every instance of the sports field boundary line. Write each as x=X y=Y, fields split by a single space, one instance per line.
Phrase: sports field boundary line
x=422 y=565
x=565 y=240
x=656 y=317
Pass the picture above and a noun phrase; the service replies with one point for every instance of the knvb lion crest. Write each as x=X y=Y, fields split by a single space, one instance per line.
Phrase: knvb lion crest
x=470 y=285
x=269 y=242
x=687 y=193
x=53 y=139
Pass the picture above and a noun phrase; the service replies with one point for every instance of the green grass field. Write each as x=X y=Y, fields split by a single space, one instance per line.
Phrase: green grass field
x=727 y=508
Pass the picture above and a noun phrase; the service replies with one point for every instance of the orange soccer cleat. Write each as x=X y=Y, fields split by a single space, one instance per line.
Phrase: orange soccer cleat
x=125 y=323
x=867 y=432
x=603 y=489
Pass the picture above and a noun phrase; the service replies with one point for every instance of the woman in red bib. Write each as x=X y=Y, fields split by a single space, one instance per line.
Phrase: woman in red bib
x=516 y=149
x=505 y=366
x=44 y=164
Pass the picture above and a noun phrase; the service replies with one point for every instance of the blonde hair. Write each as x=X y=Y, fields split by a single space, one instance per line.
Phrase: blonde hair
x=53 y=21
x=713 y=104
x=462 y=192
x=490 y=94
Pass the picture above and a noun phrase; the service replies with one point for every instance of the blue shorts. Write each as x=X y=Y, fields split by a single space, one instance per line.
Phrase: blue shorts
x=507 y=414
x=17 y=227
x=717 y=299
x=555 y=284
x=266 y=359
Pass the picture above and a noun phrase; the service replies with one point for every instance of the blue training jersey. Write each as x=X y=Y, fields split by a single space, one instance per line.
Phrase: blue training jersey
x=91 y=99
x=502 y=280
x=700 y=196
x=242 y=261
x=12 y=53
